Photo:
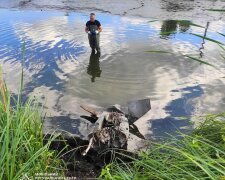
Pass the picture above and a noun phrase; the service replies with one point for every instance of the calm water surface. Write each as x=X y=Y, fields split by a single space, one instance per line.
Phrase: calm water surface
x=62 y=73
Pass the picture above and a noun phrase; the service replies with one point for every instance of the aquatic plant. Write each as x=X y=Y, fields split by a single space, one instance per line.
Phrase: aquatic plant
x=209 y=39
x=220 y=44
x=217 y=10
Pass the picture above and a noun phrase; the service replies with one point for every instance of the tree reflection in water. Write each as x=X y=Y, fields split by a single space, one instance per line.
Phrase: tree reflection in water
x=170 y=27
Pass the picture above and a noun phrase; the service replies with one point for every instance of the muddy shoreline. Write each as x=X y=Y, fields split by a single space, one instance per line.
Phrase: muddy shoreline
x=160 y=9
x=83 y=167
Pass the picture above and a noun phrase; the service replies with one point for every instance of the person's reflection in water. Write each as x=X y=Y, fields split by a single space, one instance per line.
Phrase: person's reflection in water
x=93 y=68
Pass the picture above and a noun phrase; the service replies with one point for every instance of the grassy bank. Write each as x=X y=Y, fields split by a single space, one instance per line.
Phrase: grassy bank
x=200 y=155
x=23 y=154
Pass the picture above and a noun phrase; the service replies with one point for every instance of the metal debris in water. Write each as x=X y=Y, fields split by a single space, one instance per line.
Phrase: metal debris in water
x=111 y=130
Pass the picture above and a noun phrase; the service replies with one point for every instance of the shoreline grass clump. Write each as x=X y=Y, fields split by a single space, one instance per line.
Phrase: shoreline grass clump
x=23 y=153
x=200 y=155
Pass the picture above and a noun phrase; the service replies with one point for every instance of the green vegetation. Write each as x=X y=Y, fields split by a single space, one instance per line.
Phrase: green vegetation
x=209 y=39
x=218 y=10
x=200 y=155
x=187 y=24
x=22 y=149
x=158 y=51
x=173 y=26
x=187 y=56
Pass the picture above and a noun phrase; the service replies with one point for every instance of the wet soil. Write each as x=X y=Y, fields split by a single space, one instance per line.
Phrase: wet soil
x=79 y=166
x=157 y=9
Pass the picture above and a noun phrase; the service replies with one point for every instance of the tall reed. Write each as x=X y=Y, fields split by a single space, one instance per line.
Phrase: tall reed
x=22 y=149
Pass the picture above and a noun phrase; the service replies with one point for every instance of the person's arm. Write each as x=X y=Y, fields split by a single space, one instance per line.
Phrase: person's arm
x=86 y=29
x=100 y=28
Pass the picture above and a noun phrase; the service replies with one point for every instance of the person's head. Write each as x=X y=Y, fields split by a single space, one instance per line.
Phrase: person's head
x=92 y=17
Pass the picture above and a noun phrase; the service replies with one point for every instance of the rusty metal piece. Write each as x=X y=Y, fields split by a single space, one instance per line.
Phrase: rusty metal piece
x=90 y=110
x=111 y=131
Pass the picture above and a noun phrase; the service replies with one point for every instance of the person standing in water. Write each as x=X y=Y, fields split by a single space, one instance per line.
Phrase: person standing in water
x=93 y=28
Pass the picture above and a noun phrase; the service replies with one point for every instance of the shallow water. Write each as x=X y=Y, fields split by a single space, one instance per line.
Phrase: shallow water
x=62 y=73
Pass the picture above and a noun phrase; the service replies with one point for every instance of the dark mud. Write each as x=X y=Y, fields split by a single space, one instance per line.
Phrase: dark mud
x=141 y=4
x=79 y=166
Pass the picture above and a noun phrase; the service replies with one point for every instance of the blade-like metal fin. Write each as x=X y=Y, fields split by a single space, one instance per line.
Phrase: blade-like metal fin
x=137 y=109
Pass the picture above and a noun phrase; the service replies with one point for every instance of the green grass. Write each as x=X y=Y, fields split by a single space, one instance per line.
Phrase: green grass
x=23 y=152
x=209 y=39
x=187 y=56
x=158 y=51
x=218 y=10
x=200 y=155
x=196 y=59
x=181 y=22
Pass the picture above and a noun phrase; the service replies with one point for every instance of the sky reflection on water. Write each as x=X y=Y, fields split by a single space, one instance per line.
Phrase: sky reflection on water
x=59 y=67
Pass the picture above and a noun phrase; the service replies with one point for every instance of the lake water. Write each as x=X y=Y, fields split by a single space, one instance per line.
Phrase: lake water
x=61 y=72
